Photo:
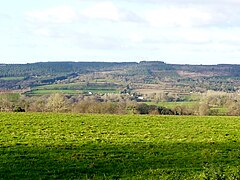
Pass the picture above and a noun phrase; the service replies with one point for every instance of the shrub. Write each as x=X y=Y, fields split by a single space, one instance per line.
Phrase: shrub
x=143 y=109
x=18 y=109
x=165 y=111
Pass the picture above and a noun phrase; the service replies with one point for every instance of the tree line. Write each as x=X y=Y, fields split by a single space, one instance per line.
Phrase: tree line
x=210 y=103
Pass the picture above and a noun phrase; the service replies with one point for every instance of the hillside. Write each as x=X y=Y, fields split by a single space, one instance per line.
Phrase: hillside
x=144 y=75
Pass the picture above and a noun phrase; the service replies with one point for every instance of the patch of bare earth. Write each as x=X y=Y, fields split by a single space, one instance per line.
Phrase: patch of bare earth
x=195 y=74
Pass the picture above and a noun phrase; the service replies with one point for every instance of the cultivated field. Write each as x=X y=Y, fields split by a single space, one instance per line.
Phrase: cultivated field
x=71 y=146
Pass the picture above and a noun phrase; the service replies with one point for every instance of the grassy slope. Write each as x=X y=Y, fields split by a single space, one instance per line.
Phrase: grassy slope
x=73 y=88
x=43 y=92
x=12 y=78
x=68 y=146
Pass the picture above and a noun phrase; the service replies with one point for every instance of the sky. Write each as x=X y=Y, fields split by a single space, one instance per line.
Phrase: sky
x=173 y=31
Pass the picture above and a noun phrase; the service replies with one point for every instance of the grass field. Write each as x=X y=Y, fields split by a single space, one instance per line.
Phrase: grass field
x=174 y=104
x=73 y=88
x=102 y=91
x=76 y=86
x=12 y=78
x=43 y=92
x=72 y=146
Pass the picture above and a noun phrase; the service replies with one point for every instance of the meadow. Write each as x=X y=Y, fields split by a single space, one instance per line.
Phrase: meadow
x=12 y=78
x=174 y=104
x=44 y=92
x=72 y=89
x=76 y=146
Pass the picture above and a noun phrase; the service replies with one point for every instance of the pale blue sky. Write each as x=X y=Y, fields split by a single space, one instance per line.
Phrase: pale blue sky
x=176 y=31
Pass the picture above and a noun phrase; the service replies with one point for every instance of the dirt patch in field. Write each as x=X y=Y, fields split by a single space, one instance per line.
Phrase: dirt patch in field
x=195 y=74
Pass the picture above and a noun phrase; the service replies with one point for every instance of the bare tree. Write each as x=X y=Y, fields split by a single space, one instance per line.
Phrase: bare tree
x=57 y=103
x=204 y=109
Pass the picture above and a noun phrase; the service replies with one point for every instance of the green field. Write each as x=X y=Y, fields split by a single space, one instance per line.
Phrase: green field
x=72 y=146
x=73 y=88
x=76 y=86
x=102 y=91
x=43 y=92
x=174 y=104
x=12 y=78
x=103 y=80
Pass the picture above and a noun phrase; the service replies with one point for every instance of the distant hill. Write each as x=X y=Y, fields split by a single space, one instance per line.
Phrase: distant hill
x=56 y=68
x=223 y=77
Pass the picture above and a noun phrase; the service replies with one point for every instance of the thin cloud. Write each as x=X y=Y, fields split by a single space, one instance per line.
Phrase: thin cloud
x=177 y=17
x=187 y=2
x=60 y=14
x=110 y=11
x=5 y=16
x=104 y=10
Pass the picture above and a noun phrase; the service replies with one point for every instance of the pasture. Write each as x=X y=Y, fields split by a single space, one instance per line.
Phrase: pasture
x=75 y=146
x=12 y=78
x=174 y=104
x=44 y=92
x=73 y=88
